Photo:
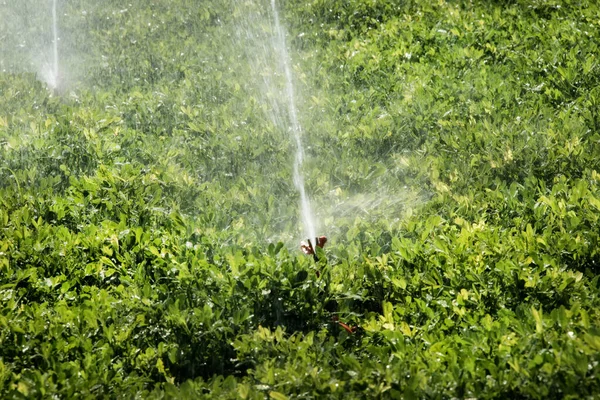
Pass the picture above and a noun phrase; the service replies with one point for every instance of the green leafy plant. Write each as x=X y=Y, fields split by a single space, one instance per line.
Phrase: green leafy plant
x=149 y=223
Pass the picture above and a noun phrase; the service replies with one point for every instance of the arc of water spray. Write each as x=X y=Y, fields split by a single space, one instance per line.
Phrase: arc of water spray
x=55 y=33
x=51 y=72
x=295 y=127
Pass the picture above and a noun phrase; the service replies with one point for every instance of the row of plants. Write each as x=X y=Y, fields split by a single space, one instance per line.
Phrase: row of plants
x=149 y=223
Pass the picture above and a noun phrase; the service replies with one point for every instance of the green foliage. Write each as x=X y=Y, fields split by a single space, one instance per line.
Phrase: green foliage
x=149 y=222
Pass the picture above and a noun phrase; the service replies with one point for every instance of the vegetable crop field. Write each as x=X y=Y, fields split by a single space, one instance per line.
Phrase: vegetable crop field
x=150 y=218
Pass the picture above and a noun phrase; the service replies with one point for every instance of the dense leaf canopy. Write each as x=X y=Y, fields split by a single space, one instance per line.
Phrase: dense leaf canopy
x=150 y=227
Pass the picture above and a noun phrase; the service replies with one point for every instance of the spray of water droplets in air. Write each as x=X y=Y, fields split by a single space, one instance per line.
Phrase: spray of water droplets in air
x=263 y=38
x=50 y=71
x=295 y=127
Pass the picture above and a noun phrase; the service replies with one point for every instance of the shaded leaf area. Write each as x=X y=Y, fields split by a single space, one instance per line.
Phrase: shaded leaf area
x=148 y=217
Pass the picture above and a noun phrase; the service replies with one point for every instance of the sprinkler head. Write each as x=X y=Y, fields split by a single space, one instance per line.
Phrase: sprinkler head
x=307 y=247
x=321 y=240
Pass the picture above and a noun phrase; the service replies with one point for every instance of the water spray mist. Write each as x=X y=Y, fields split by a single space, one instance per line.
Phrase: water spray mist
x=295 y=128
x=55 y=82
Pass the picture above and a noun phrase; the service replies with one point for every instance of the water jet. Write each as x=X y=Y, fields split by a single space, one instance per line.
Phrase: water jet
x=294 y=128
x=51 y=71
